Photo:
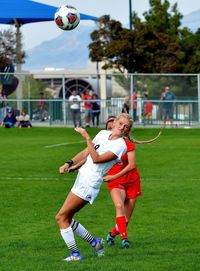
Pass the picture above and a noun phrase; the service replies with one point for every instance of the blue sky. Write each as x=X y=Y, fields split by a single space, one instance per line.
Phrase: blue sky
x=34 y=34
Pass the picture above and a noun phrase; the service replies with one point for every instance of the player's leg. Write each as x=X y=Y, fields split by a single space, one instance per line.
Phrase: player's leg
x=133 y=190
x=129 y=208
x=118 y=197
x=64 y=217
x=82 y=232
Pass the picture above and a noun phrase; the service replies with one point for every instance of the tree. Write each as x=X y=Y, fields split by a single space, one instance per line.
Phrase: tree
x=36 y=88
x=190 y=46
x=109 y=44
x=164 y=19
x=8 y=52
x=7 y=47
x=155 y=52
x=152 y=46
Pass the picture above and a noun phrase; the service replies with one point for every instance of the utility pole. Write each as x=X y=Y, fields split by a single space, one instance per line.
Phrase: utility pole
x=19 y=90
x=131 y=75
x=130 y=14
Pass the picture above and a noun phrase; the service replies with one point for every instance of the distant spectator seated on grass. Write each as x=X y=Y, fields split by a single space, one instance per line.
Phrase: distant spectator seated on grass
x=24 y=120
x=9 y=120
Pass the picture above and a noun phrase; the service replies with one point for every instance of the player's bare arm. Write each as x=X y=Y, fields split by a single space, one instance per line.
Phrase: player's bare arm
x=75 y=160
x=76 y=166
x=130 y=166
x=95 y=156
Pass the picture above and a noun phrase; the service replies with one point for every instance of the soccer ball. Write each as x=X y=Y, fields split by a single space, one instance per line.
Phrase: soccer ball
x=67 y=17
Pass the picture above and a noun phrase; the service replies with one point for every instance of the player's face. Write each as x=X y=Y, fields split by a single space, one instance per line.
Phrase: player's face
x=121 y=126
x=110 y=125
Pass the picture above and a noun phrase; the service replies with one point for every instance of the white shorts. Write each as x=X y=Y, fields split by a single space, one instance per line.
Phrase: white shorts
x=83 y=190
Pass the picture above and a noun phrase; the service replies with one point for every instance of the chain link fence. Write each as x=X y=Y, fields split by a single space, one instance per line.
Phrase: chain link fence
x=26 y=91
x=56 y=112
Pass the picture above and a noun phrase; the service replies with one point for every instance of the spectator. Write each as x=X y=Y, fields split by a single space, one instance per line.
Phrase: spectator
x=87 y=97
x=3 y=106
x=24 y=120
x=74 y=102
x=95 y=110
x=126 y=105
x=147 y=110
x=168 y=99
x=41 y=106
x=134 y=105
x=9 y=120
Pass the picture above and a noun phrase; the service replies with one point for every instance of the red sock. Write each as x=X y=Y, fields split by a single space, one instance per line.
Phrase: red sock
x=115 y=231
x=121 y=223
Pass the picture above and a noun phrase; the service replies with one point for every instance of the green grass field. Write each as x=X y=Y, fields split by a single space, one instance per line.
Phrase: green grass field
x=165 y=228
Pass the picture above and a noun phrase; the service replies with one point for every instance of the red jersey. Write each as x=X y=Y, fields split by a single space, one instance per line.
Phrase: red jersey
x=88 y=98
x=132 y=175
x=134 y=102
x=148 y=107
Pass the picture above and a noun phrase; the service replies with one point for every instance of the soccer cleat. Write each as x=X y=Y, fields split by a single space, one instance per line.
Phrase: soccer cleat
x=110 y=240
x=125 y=243
x=99 y=247
x=74 y=256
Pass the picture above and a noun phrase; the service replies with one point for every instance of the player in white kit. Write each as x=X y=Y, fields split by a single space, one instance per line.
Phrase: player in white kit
x=102 y=153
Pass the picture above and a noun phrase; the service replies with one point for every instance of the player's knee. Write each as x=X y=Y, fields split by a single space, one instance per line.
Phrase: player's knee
x=119 y=206
x=59 y=218
x=62 y=218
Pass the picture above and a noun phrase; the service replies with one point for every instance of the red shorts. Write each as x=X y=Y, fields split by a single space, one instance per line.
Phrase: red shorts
x=132 y=189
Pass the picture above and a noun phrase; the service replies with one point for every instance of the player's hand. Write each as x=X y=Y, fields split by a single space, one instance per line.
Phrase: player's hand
x=64 y=168
x=82 y=131
x=72 y=168
x=108 y=178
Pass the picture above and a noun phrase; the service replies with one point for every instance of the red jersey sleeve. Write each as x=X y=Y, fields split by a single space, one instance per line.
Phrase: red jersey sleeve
x=124 y=159
x=130 y=145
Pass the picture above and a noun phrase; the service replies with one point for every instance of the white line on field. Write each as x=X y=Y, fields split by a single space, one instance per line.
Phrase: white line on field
x=30 y=178
x=64 y=144
x=164 y=179
x=67 y=177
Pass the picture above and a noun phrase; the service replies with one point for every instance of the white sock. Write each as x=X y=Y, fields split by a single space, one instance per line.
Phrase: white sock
x=68 y=236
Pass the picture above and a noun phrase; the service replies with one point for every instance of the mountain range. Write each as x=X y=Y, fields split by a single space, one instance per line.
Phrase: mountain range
x=70 y=49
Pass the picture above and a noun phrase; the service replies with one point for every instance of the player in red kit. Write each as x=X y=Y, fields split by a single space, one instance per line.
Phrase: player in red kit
x=123 y=181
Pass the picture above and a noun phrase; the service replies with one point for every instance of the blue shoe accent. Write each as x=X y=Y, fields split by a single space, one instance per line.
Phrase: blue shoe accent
x=125 y=243
x=110 y=240
x=99 y=247
x=74 y=256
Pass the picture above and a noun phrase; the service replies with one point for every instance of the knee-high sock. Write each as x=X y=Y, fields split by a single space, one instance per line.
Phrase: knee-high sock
x=115 y=230
x=82 y=232
x=121 y=223
x=68 y=236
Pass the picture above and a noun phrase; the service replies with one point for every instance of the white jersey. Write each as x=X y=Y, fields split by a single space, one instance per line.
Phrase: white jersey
x=76 y=99
x=93 y=172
